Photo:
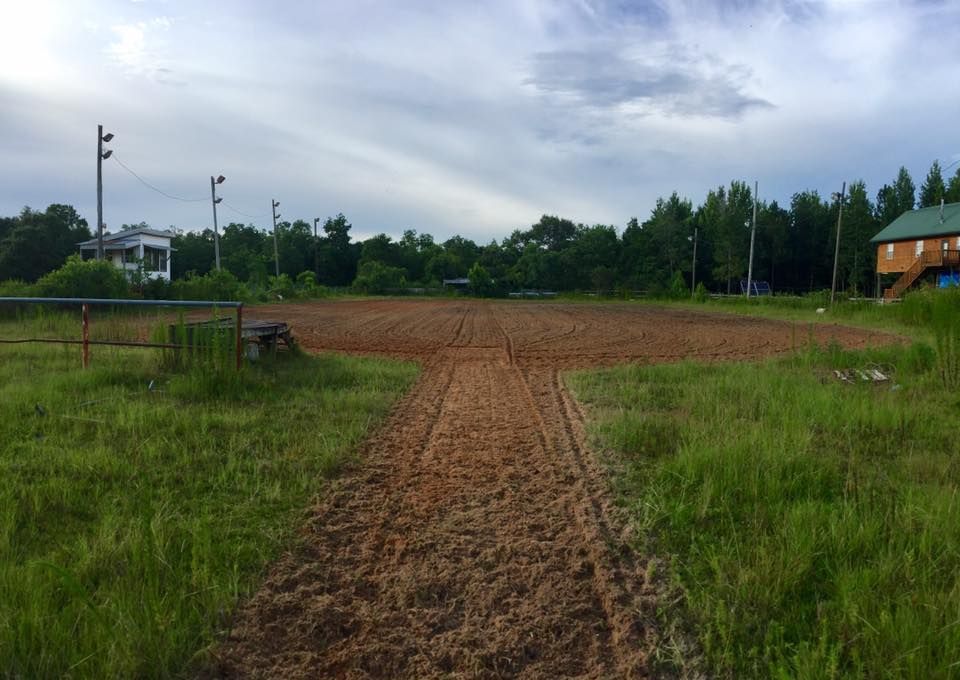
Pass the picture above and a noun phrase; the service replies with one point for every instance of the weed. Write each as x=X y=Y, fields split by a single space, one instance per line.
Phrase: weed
x=813 y=525
x=141 y=501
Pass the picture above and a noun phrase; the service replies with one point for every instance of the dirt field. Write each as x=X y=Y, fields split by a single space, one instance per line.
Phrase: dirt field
x=477 y=540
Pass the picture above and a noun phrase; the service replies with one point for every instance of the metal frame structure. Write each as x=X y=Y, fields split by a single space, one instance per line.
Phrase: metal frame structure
x=85 y=304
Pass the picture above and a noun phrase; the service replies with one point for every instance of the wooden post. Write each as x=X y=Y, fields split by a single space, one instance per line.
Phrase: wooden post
x=239 y=337
x=85 y=313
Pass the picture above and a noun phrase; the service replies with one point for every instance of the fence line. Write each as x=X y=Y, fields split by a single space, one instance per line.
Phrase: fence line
x=85 y=304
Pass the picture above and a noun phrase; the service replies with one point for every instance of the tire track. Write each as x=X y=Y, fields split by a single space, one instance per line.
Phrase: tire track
x=478 y=538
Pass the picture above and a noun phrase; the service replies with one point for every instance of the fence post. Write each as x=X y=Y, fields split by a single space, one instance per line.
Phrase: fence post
x=239 y=336
x=86 y=334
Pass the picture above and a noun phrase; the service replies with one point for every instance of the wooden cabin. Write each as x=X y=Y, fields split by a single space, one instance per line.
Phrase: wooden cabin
x=918 y=245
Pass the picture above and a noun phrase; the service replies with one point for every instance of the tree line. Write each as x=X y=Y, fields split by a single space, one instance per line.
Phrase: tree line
x=793 y=250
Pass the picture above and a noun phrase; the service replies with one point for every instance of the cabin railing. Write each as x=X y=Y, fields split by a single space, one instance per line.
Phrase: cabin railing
x=928 y=259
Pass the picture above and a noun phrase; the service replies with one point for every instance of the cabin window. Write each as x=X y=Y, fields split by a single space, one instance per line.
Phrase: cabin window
x=154 y=259
x=919 y=249
x=890 y=251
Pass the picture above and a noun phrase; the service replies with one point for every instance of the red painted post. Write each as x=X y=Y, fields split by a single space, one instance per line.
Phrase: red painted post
x=86 y=335
x=239 y=337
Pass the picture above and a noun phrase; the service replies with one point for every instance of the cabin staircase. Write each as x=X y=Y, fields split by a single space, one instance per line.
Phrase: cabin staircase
x=929 y=259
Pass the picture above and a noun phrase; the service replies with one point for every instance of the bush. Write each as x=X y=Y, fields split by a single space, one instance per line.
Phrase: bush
x=700 y=293
x=84 y=278
x=281 y=287
x=678 y=287
x=480 y=280
x=17 y=288
x=216 y=285
x=376 y=277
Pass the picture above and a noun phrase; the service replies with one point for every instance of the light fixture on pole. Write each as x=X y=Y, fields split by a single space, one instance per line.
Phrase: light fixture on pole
x=693 y=277
x=836 y=251
x=216 y=231
x=316 y=250
x=101 y=156
x=276 y=252
x=753 y=234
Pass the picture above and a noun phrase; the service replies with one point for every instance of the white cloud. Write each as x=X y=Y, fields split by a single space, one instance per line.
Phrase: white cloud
x=473 y=117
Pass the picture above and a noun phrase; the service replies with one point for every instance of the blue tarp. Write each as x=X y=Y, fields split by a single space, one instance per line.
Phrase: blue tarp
x=948 y=280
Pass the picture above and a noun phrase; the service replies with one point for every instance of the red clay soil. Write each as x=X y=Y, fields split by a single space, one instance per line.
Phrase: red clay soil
x=477 y=539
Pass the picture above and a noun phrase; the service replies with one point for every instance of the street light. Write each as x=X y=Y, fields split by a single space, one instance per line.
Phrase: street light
x=101 y=156
x=216 y=232
x=693 y=276
x=276 y=252
x=836 y=251
x=316 y=250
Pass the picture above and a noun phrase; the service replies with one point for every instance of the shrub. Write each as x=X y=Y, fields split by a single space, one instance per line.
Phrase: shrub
x=17 y=288
x=700 y=293
x=84 y=278
x=678 y=286
x=376 y=277
x=480 y=280
x=281 y=287
x=215 y=285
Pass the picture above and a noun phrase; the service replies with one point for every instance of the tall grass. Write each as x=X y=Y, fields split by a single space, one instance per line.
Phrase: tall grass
x=813 y=525
x=139 y=503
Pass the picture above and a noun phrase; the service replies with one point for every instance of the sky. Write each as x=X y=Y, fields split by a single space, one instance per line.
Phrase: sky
x=471 y=118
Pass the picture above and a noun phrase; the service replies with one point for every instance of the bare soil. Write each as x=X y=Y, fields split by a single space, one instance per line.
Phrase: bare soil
x=477 y=539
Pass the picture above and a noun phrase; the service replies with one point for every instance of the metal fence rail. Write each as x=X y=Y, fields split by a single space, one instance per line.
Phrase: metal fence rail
x=85 y=304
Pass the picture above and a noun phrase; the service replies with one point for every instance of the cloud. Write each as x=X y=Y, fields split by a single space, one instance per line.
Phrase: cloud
x=467 y=117
x=671 y=81
x=138 y=50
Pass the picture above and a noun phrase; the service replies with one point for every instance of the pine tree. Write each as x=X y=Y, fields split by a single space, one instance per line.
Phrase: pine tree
x=933 y=188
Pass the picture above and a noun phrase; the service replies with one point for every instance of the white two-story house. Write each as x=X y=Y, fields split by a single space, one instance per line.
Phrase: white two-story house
x=133 y=248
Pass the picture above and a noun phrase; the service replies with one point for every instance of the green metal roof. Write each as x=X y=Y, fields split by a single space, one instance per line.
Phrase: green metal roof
x=917 y=224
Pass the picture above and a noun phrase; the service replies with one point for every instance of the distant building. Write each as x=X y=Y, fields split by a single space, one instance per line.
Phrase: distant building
x=919 y=244
x=460 y=283
x=133 y=248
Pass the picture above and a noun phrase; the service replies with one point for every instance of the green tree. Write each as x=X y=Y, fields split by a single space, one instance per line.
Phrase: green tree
x=857 y=254
x=592 y=247
x=670 y=226
x=84 y=278
x=933 y=188
x=953 y=188
x=377 y=277
x=480 y=280
x=193 y=252
x=811 y=224
x=35 y=243
x=338 y=257
x=905 y=191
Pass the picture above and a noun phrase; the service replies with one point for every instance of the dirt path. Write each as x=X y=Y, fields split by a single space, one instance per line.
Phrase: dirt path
x=477 y=539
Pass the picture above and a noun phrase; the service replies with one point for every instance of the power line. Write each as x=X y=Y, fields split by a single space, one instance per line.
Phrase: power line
x=150 y=186
x=180 y=198
x=240 y=212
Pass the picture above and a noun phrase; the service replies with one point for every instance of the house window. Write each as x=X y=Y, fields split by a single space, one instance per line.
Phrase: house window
x=131 y=254
x=919 y=249
x=154 y=259
x=889 y=251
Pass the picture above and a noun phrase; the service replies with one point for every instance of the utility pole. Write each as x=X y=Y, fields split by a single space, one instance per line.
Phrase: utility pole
x=216 y=232
x=693 y=278
x=836 y=250
x=101 y=156
x=753 y=234
x=276 y=252
x=316 y=250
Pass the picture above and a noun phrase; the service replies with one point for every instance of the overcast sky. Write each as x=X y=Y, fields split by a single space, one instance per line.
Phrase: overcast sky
x=465 y=117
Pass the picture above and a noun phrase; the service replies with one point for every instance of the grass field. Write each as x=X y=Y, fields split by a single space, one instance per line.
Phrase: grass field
x=133 y=517
x=812 y=526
